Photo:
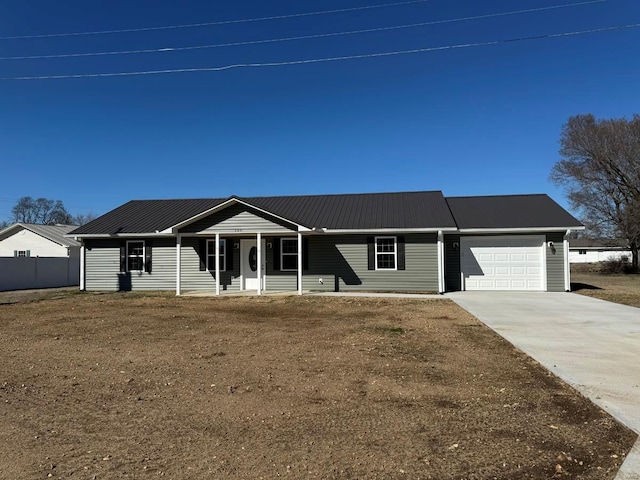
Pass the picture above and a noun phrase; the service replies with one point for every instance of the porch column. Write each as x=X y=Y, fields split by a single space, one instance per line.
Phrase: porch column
x=82 y=278
x=178 y=264
x=567 y=267
x=299 y=263
x=440 y=262
x=218 y=263
x=259 y=263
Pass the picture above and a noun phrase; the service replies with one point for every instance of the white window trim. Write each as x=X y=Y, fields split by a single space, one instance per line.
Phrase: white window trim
x=144 y=248
x=394 y=253
x=223 y=259
x=282 y=254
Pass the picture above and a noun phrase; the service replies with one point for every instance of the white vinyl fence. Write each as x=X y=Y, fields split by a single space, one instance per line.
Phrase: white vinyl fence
x=38 y=272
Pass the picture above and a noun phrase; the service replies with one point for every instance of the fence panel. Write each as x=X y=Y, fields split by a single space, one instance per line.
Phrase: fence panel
x=38 y=272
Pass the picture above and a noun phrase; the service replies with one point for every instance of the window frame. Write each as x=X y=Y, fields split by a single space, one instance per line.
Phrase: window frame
x=223 y=254
x=142 y=256
x=288 y=254
x=21 y=253
x=377 y=253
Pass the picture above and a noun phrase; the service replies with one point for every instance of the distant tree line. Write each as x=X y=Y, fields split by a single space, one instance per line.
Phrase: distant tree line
x=44 y=211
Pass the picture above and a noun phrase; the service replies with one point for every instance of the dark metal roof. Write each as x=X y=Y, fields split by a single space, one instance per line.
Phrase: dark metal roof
x=146 y=216
x=362 y=211
x=350 y=211
x=367 y=211
x=510 y=211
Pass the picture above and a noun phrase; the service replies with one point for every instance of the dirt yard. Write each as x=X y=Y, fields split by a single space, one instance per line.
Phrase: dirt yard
x=618 y=288
x=111 y=386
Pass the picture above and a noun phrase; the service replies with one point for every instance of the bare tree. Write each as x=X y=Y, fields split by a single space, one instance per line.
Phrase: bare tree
x=82 y=218
x=41 y=210
x=600 y=170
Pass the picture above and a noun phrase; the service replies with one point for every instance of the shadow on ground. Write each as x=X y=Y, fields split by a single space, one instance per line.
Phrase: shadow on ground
x=576 y=287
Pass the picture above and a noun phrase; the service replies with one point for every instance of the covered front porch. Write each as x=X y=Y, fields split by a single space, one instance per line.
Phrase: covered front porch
x=232 y=262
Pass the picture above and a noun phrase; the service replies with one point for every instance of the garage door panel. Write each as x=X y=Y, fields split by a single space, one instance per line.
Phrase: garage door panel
x=502 y=263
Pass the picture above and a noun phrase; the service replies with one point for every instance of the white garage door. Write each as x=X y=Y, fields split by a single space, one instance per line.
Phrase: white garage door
x=502 y=263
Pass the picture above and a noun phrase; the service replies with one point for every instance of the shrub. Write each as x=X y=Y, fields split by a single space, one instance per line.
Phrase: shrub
x=613 y=266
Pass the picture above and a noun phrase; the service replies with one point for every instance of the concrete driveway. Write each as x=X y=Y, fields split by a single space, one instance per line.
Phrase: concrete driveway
x=592 y=344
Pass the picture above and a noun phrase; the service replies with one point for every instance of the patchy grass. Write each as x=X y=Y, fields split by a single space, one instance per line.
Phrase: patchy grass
x=142 y=386
x=618 y=288
x=390 y=330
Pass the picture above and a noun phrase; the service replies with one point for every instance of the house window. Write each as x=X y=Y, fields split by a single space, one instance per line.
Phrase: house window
x=386 y=253
x=22 y=253
x=135 y=255
x=582 y=252
x=288 y=254
x=211 y=255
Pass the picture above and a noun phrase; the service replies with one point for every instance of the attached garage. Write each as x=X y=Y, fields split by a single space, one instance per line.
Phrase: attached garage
x=503 y=262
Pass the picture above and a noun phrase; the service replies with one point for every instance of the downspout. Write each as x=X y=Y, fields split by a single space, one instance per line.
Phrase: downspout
x=440 y=262
x=567 y=268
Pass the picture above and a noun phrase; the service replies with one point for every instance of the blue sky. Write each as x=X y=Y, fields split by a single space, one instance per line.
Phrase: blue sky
x=467 y=121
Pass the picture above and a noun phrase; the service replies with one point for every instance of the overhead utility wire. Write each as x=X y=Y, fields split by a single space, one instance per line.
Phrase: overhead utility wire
x=326 y=59
x=303 y=37
x=208 y=24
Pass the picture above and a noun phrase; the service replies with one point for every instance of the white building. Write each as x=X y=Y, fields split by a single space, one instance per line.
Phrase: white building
x=588 y=250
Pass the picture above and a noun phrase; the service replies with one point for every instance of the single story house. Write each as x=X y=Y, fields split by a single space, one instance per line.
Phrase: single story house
x=595 y=250
x=406 y=241
x=31 y=240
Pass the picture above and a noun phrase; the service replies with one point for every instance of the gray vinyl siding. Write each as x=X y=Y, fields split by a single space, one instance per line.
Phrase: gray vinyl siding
x=237 y=219
x=452 y=263
x=278 y=280
x=102 y=267
x=192 y=278
x=341 y=263
x=555 y=262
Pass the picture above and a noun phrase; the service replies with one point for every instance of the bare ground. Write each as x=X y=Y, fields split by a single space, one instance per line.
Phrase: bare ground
x=618 y=288
x=112 y=386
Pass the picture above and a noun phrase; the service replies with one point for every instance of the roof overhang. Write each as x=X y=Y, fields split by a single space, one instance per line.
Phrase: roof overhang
x=520 y=230
x=121 y=235
x=227 y=203
x=338 y=231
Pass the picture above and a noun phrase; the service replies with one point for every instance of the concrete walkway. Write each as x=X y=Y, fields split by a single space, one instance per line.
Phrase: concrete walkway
x=591 y=344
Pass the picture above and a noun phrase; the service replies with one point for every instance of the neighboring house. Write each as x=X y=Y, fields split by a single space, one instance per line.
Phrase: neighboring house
x=407 y=241
x=30 y=240
x=38 y=256
x=594 y=250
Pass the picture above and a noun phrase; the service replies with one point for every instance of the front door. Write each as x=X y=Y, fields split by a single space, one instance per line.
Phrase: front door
x=249 y=264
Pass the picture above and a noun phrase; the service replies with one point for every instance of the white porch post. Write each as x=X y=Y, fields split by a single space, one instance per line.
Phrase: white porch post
x=83 y=285
x=259 y=263
x=178 y=264
x=440 y=262
x=218 y=263
x=567 y=268
x=299 y=263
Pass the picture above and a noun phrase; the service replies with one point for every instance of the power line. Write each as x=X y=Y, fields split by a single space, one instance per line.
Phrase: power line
x=209 y=24
x=326 y=59
x=304 y=37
